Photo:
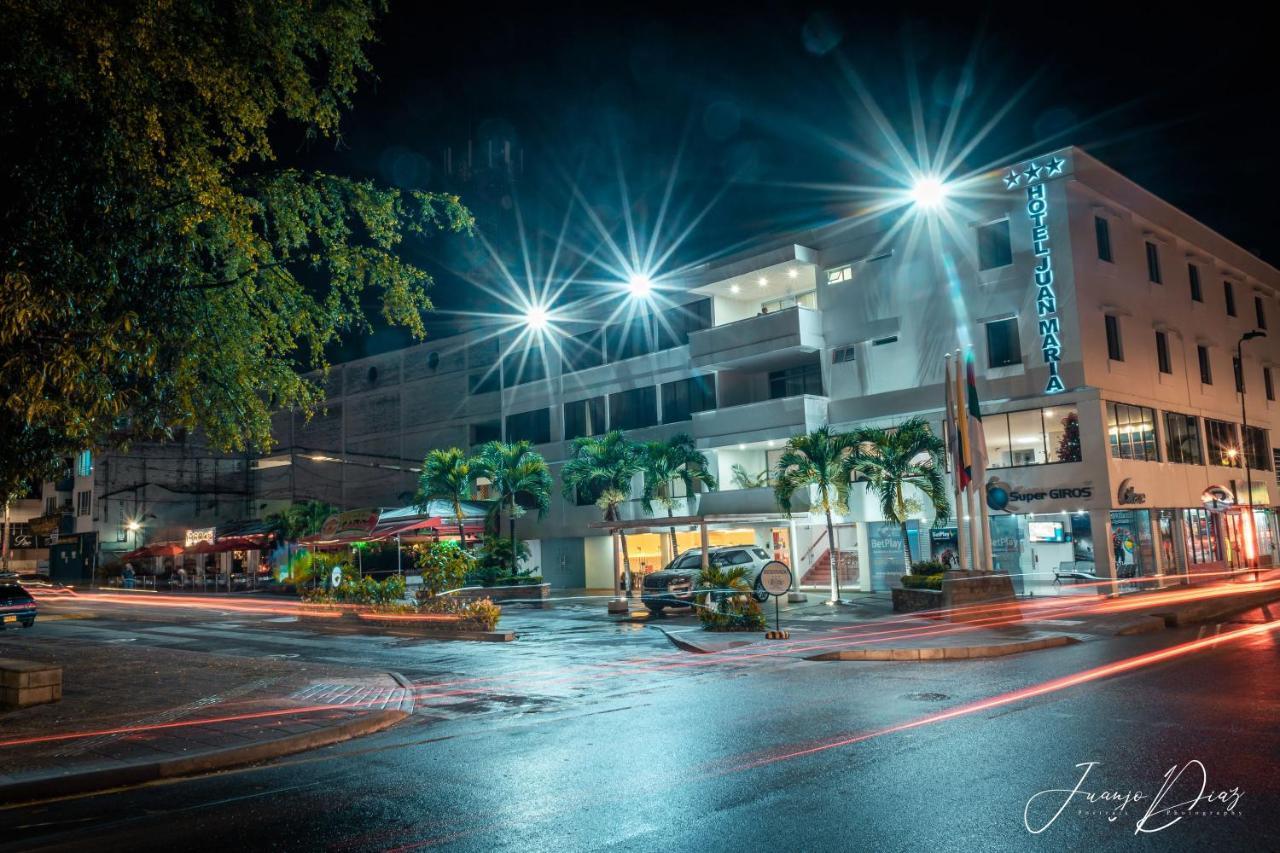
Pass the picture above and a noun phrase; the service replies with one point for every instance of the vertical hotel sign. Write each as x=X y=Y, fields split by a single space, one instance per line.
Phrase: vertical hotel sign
x=1031 y=180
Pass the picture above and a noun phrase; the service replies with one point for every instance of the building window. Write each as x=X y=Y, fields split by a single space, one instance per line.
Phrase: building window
x=676 y=324
x=1267 y=384
x=1115 y=347
x=483 y=383
x=633 y=409
x=533 y=427
x=1182 y=439
x=994 y=249
x=1032 y=437
x=583 y=351
x=631 y=338
x=485 y=432
x=1102 y=232
x=1224 y=443
x=794 y=381
x=1260 y=312
x=681 y=399
x=1206 y=370
x=83 y=502
x=524 y=364
x=1131 y=431
x=839 y=275
x=1003 y=346
x=1229 y=296
x=1153 y=264
x=1257 y=450
x=1239 y=374
x=1162 y=353
x=583 y=418
x=1193 y=273
x=84 y=464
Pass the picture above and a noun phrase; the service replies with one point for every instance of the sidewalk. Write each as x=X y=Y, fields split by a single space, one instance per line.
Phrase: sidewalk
x=868 y=629
x=130 y=715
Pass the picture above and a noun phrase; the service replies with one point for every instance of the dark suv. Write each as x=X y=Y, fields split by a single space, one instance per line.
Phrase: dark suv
x=676 y=585
x=16 y=604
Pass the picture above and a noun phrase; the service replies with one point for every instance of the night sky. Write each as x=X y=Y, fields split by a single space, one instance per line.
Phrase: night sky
x=760 y=107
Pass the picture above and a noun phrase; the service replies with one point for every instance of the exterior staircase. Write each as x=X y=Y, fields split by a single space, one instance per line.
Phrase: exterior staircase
x=819 y=573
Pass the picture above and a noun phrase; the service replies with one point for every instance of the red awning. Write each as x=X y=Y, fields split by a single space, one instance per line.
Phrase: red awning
x=391 y=530
x=229 y=543
x=160 y=549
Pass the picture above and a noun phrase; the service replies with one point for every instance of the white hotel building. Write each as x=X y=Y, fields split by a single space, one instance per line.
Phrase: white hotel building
x=1114 y=435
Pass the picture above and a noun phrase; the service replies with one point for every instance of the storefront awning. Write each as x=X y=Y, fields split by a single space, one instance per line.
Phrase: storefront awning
x=229 y=543
x=402 y=522
x=159 y=549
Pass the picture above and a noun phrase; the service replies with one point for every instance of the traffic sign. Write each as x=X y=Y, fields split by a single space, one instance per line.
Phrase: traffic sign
x=775 y=578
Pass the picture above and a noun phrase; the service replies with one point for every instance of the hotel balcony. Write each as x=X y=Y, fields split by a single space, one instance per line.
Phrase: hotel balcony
x=759 y=421
x=760 y=342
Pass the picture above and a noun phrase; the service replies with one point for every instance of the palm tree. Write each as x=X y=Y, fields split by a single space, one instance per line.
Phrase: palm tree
x=298 y=520
x=893 y=459
x=665 y=463
x=446 y=476
x=721 y=582
x=823 y=459
x=518 y=474
x=602 y=469
x=743 y=480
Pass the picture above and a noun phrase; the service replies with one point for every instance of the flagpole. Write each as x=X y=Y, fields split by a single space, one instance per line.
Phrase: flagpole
x=952 y=439
x=979 y=484
x=964 y=422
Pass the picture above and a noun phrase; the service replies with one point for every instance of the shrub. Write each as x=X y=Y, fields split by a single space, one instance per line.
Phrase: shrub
x=928 y=567
x=518 y=580
x=933 y=581
x=735 y=613
x=444 y=566
x=480 y=615
x=493 y=560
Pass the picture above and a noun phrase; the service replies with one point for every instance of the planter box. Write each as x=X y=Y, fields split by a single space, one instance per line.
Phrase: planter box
x=911 y=600
x=433 y=629
x=24 y=683
x=961 y=589
x=499 y=594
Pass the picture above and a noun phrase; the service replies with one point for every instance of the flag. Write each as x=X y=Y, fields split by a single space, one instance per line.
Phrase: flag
x=964 y=457
x=977 y=437
x=950 y=428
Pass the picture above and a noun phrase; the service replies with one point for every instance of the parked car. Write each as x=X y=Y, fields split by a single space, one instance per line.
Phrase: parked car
x=16 y=604
x=677 y=583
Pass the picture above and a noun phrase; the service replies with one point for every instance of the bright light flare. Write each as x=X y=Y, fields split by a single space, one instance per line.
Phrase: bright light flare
x=537 y=317
x=928 y=192
x=640 y=286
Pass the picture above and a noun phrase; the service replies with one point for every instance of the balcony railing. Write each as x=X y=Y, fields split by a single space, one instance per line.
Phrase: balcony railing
x=758 y=342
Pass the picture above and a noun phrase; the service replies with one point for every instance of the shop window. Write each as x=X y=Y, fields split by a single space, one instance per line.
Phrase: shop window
x=1223 y=441
x=583 y=418
x=633 y=409
x=1162 y=353
x=994 y=249
x=1193 y=273
x=794 y=381
x=533 y=427
x=1131 y=432
x=1115 y=347
x=1182 y=439
x=1003 y=345
x=1032 y=437
x=1102 y=235
x=681 y=399
x=1153 y=264
x=1257 y=449
x=1229 y=298
x=1203 y=544
x=1206 y=369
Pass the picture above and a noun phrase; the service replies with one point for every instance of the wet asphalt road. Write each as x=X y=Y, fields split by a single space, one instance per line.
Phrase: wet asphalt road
x=591 y=735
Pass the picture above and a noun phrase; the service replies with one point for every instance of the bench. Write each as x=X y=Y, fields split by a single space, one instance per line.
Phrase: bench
x=24 y=683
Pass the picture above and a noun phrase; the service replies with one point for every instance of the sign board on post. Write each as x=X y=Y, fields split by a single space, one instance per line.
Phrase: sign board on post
x=775 y=579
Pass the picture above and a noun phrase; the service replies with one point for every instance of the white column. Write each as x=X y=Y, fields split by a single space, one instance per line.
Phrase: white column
x=618 y=601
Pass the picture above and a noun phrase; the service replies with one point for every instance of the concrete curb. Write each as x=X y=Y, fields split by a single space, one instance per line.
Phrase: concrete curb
x=62 y=785
x=1209 y=610
x=994 y=650
x=688 y=646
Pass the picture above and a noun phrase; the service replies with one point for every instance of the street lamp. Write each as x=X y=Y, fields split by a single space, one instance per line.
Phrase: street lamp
x=640 y=286
x=537 y=318
x=1250 y=556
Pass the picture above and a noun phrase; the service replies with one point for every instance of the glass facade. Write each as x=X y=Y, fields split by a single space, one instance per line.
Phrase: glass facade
x=633 y=409
x=794 y=381
x=523 y=365
x=1257 y=450
x=1223 y=441
x=994 y=248
x=583 y=418
x=583 y=351
x=1131 y=432
x=533 y=427
x=1032 y=437
x=682 y=398
x=1132 y=545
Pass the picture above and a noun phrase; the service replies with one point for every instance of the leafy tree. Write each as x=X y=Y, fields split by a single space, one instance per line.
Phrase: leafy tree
x=1069 y=442
x=443 y=566
x=665 y=463
x=520 y=479
x=743 y=480
x=822 y=459
x=602 y=469
x=446 y=476
x=892 y=460
x=161 y=268
x=304 y=518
